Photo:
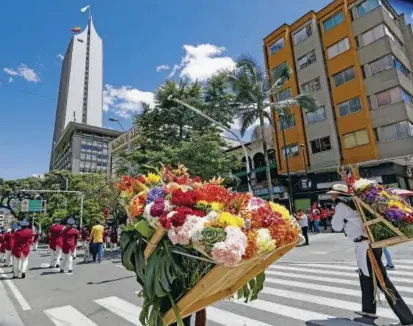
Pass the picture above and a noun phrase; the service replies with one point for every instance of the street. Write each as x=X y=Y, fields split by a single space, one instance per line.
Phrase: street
x=314 y=285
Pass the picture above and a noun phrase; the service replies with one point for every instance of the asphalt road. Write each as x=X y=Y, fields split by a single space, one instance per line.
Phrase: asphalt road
x=314 y=285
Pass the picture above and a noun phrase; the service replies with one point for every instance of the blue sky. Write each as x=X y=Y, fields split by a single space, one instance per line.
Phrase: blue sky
x=140 y=37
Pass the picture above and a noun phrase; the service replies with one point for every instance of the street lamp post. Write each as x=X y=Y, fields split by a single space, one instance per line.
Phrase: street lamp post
x=221 y=126
x=304 y=158
x=129 y=145
x=281 y=115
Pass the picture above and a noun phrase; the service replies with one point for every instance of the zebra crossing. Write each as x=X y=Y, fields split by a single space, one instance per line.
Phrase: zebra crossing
x=294 y=294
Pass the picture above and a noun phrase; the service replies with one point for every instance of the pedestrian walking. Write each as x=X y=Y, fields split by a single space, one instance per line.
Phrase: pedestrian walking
x=36 y=236
x=23 y=238
x=389 y=261
x=310 y=220
x=324 y=217
x=346 y=218
x=69 y=240
x=303 y=222
x=2 y=246
x=96 y=241
x=55 y=242
x=114 y=239
x=106 y=238
x=75 y=250
x=9 y=242
x=315 y=212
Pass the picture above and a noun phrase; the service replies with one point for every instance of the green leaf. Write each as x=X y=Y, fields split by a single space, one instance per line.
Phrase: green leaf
x=144 y=228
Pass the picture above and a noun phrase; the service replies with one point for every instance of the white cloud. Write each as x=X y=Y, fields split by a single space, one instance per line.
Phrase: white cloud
x=162 y=67
x=60 y=56
x=125 y=100
x=202 y=61
x=11 y=80
x=25 y=72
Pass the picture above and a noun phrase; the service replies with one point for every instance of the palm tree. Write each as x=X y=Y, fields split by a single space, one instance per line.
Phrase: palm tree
x=252 y=89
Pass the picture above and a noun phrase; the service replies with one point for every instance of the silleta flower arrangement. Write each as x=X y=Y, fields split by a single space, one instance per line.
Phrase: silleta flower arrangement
x=205 y=225
x=383 y=201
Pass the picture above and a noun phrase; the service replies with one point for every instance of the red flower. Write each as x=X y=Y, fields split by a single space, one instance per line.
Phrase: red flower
x=165 y=221
x=157 y=207
x=196 y=179
x=213 y=192
x=141 y=179
x=180 y=198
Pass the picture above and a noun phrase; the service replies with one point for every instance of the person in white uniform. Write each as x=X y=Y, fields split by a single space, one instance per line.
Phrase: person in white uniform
x=346 y=218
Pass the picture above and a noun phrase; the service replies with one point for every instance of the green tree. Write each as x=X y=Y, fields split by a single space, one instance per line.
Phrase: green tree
x=252 y=89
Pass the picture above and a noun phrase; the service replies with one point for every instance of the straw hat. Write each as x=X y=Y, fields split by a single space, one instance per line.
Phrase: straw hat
x=339 y=189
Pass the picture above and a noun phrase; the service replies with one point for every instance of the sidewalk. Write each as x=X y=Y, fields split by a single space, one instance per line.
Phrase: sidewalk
x=8 y=314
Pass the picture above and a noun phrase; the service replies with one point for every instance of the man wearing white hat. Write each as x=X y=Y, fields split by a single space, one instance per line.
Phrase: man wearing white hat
x=21 y=248
x=346 y=218
x=70 y=236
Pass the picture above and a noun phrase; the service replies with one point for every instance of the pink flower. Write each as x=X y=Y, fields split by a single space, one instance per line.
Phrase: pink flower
x=227 y=255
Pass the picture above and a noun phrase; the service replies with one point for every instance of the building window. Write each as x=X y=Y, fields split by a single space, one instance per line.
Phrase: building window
x=307 y=60
x=381 y=64
x=344 y=76
x=367 y=6
x=338 y=48
x=397 y=131
x=302 y=34
x=399 y=66
x=317 y=115
x=356 y=138
x=332 y=22
x=291 y=150
x=349 y=107
x=277 y=46
x=377 y=33
x=82 y=156
x=393 y=95
x=312 y=86
x=283 y=95
x=320 y=145
x=287 y=122
x=276 y=71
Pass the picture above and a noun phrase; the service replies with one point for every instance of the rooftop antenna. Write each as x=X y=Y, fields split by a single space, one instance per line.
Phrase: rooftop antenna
x=74 y=115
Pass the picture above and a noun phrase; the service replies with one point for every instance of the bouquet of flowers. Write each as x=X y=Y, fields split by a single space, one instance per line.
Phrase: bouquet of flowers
x=384 y=201
x=205 y=225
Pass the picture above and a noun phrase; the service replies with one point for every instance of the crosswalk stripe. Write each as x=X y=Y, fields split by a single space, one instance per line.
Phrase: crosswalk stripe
x=351 y=268
x=286 y=311
x=325 y=288
x=334 y=273
x=330 y=302
x=122 y=308
x=68 y=316
x=227 y=318
x=403 y=261
x=401 y=288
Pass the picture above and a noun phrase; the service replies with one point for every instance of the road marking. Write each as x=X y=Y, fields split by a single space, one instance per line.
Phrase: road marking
x=224 y=317
x=334 y=273
x=122 y=308
x=286 y=311
x=44 y=265
x=17 y=294
x=319 y=252
x=68 y=316
x=325 y=288
x=352 y=268
x=403 y=261
x=329 y=302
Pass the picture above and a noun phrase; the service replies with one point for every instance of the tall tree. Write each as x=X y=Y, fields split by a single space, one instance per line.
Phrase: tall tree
x=252 y=88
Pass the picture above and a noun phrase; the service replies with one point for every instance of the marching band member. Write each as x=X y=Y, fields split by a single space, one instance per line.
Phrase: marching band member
x=2 y=246
x=371 y=269
x=9 y=241
x=21 y=249
x=36 y=240
x=55 y=242
x=69 y=238
x=114 y=239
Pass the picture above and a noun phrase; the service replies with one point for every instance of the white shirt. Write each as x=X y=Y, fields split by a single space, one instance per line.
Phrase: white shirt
x=354 y=228
x=303 y=221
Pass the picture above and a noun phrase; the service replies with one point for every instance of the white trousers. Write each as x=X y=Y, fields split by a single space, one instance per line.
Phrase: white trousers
x=56 y=254
x=9 y=258
x=35 y=246
x=74 y=252
x=20 y=265
x=67 y=261
x=113 y=246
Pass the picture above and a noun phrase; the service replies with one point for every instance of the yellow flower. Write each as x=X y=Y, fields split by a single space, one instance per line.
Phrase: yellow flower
x=285 y=214
x=227 y=219
x=216 y=206
x=153 y=178
x=264 y=241
x=394 y=203
x=203 y=202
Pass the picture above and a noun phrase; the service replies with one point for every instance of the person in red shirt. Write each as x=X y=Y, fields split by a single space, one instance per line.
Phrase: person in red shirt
x=36 y=240
x=70 y=236
x=114 y=239
x=55 y=242
x=105 y=238
x=21 y=249
x=316 y=217
x=324 y=217
x=8 y=244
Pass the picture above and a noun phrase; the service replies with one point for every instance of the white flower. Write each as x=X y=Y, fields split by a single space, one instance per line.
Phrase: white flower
x=264 y=241
x=255 y=203
x=147 y=211
x=362 y=184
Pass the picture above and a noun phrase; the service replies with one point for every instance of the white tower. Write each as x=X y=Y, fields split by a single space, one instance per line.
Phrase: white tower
x=81 y=82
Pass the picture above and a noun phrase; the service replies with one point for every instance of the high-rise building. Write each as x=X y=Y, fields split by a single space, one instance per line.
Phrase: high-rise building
x=81 y=82
x=356 y=58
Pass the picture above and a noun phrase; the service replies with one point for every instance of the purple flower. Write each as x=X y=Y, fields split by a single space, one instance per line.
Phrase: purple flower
x=371 y=195
x=154 y=193
x=394 y=214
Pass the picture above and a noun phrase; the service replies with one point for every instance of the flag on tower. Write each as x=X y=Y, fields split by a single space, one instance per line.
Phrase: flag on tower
x=75 y=29
x=85 y=8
